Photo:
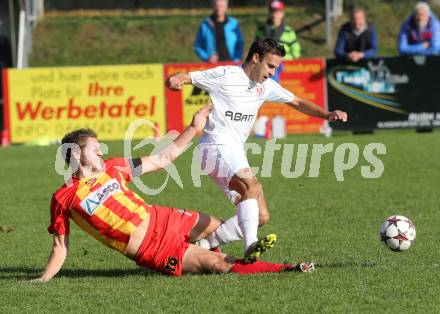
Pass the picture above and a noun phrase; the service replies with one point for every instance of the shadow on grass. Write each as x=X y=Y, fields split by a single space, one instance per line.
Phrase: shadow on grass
x=24 y=273
x=346 y=264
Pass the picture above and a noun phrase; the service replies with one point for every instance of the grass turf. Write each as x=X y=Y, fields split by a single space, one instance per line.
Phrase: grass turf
x=333 y=223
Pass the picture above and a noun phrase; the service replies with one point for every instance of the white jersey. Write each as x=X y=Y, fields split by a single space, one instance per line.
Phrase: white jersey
x=236 y=101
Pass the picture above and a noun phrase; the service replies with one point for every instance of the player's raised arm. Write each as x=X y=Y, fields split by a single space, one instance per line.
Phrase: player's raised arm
x=176 y=81
x=208 y=80
x=56 y=258
x=168 y=154
x=310 y=108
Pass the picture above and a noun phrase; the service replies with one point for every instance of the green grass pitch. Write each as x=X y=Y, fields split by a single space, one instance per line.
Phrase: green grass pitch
x=335 y=224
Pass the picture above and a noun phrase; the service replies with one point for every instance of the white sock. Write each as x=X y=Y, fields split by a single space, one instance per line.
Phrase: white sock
x=247 y=214
x=203 y=243
x=227 y=232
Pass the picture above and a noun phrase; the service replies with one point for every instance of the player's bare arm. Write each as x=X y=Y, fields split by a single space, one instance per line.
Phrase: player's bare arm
x=56 y=258
x=176 y=81
x=310 y=108
x=171 y=152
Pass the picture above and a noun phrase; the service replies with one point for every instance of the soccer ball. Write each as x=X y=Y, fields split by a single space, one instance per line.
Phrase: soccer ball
x=397 y=233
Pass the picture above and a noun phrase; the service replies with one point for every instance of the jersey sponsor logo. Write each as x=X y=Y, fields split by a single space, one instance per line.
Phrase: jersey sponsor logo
x=238 y=116
x=98 y=197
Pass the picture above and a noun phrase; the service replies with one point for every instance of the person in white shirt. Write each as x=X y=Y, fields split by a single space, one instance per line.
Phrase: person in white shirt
x=237 y=93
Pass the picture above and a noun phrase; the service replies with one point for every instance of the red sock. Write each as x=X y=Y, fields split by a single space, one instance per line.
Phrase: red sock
x=241 y=267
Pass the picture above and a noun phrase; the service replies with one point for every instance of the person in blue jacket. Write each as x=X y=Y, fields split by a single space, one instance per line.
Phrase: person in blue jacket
x=357 y=39
x=420 y=33
x=219 y=37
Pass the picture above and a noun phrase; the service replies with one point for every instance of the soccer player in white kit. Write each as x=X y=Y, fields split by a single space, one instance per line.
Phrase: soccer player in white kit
x=237 y=93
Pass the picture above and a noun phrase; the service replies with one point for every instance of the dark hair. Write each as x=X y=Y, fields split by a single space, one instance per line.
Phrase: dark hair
x=263 y=46
x=78 y=137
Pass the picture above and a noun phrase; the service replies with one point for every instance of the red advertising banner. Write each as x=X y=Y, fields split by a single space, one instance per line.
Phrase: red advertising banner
x=305 y=78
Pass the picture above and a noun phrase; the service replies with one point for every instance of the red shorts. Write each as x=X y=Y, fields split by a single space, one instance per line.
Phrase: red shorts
x=167 y=239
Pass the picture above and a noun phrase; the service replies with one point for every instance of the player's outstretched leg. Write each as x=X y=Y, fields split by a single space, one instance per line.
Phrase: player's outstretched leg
x=197 y=261
x=257 y=248
x=241 y=267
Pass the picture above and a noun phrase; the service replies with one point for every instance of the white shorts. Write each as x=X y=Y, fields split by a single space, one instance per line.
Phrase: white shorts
x=222 y=162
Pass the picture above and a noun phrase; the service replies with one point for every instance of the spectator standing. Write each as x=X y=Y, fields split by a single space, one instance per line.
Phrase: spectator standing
x=219 y=37
x=420 y=33
x=357 y=39
x=276 y=29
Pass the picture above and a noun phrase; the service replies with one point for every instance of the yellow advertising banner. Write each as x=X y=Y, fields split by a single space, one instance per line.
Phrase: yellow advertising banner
x=46 y=103
x=193 y=99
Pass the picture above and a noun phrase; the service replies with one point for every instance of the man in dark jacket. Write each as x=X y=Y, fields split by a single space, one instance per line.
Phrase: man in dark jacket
x=357 y=39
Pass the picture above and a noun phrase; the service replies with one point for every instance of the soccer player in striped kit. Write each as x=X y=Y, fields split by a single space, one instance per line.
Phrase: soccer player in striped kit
x=159 y=238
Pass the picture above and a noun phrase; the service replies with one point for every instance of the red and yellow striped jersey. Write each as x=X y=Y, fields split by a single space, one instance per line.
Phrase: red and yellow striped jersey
x=102 y=205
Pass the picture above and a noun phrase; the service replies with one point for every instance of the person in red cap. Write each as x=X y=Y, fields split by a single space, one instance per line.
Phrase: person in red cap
x=275 y=28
